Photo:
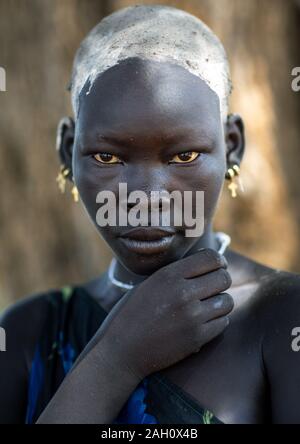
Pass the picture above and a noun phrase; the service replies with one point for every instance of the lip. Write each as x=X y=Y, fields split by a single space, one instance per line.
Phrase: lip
x=148 y=246
x=148 y=234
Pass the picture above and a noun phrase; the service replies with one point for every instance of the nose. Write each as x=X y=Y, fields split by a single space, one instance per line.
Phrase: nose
x=147 y=202
x=148 y=183
x=154 y=199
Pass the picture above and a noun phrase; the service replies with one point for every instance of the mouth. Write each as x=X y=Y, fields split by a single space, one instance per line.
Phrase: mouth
x=148 y=240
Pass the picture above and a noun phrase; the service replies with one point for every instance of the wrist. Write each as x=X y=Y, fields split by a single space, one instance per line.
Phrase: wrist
x=109 y=353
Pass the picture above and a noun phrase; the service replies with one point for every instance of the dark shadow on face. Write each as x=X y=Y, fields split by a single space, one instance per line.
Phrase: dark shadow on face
x=145 y=113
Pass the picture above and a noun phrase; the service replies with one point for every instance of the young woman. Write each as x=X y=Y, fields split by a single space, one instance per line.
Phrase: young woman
x=179 y=329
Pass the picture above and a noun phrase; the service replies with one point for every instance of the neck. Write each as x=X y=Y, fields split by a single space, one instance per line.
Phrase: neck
x=207 y=240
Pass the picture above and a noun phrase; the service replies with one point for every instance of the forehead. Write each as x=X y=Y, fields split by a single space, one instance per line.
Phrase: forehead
x=140 y=96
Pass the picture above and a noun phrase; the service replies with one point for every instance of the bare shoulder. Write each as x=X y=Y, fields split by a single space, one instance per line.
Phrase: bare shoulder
x=23 y=322
x=273 y=295
x=26 y=310
x=278 y=298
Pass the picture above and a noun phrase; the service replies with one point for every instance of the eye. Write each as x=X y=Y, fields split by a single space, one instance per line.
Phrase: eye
x=187 y=157
x=107 y=158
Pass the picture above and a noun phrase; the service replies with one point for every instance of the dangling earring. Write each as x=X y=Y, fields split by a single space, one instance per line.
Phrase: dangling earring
x=237 y=171
x=61 y=181
x=74 y=192
x=61 y=178
x=232 y=174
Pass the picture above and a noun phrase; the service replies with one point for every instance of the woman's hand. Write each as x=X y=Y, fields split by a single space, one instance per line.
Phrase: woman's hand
x=171 y=314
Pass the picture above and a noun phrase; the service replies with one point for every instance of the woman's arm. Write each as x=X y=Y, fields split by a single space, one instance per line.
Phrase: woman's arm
x=94 y=391
x=281 y=355
x=169 y=316
x=158 y=323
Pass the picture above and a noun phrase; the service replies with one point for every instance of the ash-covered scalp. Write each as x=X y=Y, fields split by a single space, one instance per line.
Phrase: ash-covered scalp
x=159 y=33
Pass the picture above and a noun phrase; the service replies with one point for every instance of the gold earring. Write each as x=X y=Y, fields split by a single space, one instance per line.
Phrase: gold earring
x=74 y=192
x=237 y=171
x=232 y=173
x=61 y=178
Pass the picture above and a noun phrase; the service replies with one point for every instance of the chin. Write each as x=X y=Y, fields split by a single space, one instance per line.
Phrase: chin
x=144 y=257
x=147 y=264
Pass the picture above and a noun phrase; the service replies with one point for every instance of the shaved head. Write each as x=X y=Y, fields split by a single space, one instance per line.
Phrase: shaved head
x=160 y=33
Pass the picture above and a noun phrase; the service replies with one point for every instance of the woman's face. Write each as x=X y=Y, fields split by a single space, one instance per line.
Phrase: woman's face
x=155 y=127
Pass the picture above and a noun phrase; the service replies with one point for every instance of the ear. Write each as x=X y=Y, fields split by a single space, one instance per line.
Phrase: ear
x=235 y=140
x=65 y=141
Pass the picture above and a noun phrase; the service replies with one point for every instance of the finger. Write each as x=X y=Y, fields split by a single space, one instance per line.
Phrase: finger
x=214 y=328
x=216 y=306
x=205 y=286
x=200 y=263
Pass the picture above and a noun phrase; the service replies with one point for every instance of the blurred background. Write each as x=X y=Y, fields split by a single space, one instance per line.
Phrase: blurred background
x=46 y=239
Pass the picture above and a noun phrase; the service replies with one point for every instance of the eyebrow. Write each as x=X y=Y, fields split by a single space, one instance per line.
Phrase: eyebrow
x=169 y=139
x=113 y=140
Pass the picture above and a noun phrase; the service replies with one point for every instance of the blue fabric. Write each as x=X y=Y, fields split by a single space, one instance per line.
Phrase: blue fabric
x=37 y=373
x=133 y=411
x=36 y=380
x=67 y=353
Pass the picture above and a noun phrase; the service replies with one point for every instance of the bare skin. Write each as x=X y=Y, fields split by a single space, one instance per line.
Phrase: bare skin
x=231 y=376
x=244 y=372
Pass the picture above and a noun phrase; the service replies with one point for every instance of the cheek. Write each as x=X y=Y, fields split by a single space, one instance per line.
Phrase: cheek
x=214 y=176
x=208 y=177
x=214 y=180
x=90 y=179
